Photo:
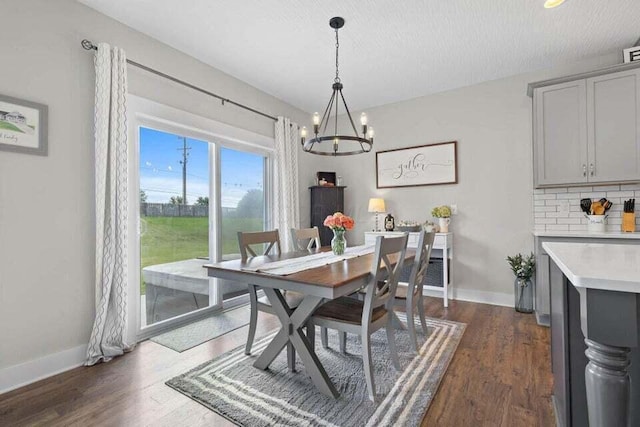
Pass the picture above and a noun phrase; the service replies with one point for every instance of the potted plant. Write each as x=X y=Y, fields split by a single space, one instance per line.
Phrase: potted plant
x=339 y=223
x=443 y=213
x=523 y=267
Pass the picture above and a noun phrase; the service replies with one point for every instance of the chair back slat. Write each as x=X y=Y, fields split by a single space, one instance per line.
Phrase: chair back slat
x=245 y=240
x=309 y=235
x=421 y=263
x=385 y=272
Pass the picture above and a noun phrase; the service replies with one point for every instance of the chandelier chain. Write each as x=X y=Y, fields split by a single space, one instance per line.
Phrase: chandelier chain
x=337 y=79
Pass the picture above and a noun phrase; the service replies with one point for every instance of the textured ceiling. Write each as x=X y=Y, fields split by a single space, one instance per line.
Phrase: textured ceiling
x=390 y=50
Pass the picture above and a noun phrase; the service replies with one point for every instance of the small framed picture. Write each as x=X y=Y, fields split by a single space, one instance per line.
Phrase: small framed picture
x=23 y=126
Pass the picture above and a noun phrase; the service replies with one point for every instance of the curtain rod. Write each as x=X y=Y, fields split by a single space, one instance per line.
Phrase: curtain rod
x=88 y=45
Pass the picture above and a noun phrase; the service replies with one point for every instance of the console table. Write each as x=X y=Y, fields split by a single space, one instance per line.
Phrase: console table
x=442 y=242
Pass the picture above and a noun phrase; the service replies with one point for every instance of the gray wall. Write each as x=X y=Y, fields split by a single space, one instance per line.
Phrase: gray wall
x=47 y=255
x=492 y=124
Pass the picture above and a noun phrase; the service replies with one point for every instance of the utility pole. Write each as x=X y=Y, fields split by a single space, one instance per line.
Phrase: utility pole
x=183 y=162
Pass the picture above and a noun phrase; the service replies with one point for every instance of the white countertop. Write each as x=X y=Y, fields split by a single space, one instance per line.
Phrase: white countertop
x=598 y=265
x=588 y=234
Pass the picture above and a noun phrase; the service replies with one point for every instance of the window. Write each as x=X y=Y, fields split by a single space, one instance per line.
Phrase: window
x=242 y=177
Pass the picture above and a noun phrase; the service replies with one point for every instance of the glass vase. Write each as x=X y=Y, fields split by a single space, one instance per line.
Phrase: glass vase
x=523 y=290
x=338 y=243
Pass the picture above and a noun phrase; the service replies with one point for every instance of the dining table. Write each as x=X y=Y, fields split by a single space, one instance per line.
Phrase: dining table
x=318 y=285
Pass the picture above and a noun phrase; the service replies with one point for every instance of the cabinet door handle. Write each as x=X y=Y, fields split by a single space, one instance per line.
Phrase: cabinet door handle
x=584 y=170
x=593 y=169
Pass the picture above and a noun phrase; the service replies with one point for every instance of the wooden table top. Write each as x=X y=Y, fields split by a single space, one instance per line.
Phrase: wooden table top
x=330 y=276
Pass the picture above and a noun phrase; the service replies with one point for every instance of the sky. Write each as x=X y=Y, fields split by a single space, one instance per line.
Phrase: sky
x=161 y=154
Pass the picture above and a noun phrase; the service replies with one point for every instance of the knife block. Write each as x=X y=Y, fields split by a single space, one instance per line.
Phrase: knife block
x=629 y=222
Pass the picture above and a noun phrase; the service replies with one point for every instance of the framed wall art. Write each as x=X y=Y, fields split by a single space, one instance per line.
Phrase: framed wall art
x=23 y=126
x=420 y=165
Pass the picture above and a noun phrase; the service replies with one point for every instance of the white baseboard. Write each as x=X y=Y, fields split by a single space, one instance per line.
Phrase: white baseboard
x=16 y=376
x=483 y=297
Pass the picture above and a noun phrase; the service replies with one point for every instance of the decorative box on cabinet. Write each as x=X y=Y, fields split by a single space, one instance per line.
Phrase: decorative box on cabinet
x=325 y=201
x=586 y=129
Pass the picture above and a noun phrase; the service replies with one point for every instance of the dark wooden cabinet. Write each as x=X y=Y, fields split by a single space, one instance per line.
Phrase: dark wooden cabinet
x=325 y=201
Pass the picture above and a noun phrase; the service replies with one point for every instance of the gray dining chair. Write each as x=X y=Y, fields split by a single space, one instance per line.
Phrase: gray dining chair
x=310 y=236
x=350 y=315
x=268 y=240
x=409 y=294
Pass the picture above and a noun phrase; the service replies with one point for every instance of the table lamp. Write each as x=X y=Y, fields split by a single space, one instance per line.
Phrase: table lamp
x=376 y=206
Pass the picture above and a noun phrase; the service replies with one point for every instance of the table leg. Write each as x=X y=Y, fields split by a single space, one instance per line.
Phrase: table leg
x=291 y=332
x=608 y=385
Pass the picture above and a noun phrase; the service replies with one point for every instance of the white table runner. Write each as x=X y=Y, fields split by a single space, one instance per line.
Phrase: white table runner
x=294 y=265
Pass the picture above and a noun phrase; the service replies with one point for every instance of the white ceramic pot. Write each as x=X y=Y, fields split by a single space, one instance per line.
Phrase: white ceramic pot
x=596 y=223
x=444 y=224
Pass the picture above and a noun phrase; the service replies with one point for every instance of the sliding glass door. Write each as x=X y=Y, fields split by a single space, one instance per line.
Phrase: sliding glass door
x=175 y=189
x=196 y=192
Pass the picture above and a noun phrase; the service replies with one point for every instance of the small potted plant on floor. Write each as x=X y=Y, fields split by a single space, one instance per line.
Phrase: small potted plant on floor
x=443 y=213
x=523 y=267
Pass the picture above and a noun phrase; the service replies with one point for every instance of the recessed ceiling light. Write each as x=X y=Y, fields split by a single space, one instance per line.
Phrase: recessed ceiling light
x=550 y=4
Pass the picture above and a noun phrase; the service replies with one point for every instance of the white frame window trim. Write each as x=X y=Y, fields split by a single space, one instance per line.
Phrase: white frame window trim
x=149 y=114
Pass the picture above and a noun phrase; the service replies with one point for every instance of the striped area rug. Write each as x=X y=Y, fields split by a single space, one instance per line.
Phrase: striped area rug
x=232 y=387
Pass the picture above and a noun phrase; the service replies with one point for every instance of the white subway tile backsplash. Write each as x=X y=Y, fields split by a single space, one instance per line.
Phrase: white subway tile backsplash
x=579 y=189
x=544 y=196
x=577 y=227
x=557 y=215
x=620 y=194
x=593 y=195
x=558 y=227
x=558 y=209
x=575 y=221
x=625 y=187
x=555 y=190
x=546 y=221
x=566 y=196
x=607 y=188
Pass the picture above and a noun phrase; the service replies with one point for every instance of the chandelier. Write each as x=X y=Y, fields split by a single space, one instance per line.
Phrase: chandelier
x=358 y=142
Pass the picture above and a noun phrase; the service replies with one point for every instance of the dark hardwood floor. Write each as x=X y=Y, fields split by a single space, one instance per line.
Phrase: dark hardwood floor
x=499 y=376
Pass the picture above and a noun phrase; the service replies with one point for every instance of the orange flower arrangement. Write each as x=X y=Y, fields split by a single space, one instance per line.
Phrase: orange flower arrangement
x=339 y=221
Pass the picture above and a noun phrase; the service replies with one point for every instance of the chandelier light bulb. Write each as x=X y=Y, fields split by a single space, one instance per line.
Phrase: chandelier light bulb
x=371 y=133
x=316 y=119
x=363 y=119
x=303 y=132
x=550 y=4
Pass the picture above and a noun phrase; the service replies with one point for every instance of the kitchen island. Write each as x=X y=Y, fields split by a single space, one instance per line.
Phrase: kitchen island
x=595 y=324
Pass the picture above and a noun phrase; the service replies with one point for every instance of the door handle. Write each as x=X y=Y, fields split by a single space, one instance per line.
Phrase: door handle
x=593 y=169
x=584 y=170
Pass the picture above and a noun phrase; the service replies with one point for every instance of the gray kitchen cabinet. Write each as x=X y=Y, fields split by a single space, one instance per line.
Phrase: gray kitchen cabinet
x=587 y=130
x=613 y=133
x=560 y=133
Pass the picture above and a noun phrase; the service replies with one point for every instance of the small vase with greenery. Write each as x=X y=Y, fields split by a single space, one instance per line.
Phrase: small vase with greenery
x=523 y=267
x=443 y=213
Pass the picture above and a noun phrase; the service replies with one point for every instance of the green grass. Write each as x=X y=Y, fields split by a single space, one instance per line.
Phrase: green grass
x=9 y=126
x=169 y=239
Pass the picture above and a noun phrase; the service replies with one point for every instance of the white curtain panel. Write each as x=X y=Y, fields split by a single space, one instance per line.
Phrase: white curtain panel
x=109 y=328
x=286 y=203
